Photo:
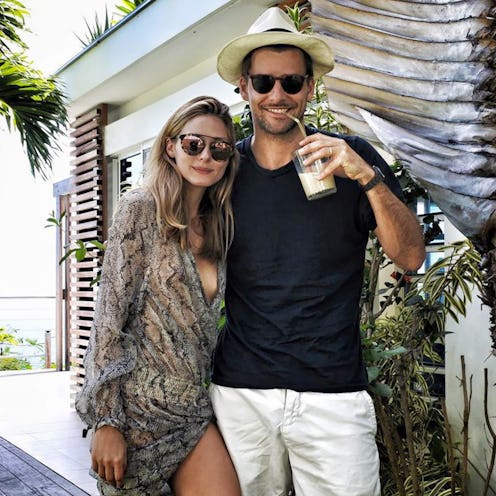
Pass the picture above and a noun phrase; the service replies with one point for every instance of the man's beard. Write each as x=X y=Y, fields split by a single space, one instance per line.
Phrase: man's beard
x=276 y=131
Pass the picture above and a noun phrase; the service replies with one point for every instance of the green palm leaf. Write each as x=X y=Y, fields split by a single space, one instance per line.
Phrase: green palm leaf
x=12 y=14
x=127 y=6
x=34 y=106
x=95 y=30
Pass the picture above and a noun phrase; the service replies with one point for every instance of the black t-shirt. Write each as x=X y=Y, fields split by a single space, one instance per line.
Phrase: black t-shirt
x=294 y=279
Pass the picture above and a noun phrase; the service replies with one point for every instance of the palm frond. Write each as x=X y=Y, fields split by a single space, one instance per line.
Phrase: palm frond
x=128 y=6
x=12 y=21
x=100 y=26
x=95 y=30
x=34 y=106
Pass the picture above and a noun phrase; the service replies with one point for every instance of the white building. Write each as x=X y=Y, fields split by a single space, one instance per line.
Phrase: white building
x=122 y=89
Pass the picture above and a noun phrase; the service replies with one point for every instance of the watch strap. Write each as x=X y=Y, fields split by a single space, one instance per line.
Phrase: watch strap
x=378 y=178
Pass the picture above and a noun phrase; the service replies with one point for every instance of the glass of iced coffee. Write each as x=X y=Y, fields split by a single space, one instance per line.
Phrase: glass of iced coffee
x=314 y=188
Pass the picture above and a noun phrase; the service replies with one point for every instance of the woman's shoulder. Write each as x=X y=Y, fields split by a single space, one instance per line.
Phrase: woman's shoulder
x=137 y=197
x=138 y=204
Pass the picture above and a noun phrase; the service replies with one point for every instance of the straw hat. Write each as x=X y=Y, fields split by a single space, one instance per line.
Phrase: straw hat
x=273 y=27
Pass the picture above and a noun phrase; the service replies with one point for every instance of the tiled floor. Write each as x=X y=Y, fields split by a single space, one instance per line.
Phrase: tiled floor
x=36 y=416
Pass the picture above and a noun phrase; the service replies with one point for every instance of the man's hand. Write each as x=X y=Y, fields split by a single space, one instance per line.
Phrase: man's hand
x=398 y=229
x=341 y=160
x=109 y=455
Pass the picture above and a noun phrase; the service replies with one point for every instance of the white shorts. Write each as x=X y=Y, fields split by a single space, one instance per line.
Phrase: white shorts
x=320 y=444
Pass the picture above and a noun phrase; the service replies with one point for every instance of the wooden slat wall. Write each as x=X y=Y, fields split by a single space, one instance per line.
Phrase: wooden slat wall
x=87 y=223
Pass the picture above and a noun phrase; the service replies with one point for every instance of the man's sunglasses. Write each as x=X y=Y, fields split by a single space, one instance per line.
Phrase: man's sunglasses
x=263 y=83
x=194 y=144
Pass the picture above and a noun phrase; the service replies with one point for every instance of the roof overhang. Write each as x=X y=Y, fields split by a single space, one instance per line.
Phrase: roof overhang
x=161 y=39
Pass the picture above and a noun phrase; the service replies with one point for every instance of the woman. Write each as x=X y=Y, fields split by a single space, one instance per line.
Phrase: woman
x=158 y=305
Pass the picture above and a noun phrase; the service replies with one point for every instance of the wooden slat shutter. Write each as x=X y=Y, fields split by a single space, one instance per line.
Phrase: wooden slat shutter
x=88 y=202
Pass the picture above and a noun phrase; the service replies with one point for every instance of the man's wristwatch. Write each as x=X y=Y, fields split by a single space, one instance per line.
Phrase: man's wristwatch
x=378 y=178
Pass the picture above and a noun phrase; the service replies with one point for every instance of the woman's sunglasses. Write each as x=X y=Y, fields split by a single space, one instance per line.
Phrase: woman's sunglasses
x=263 y=83
x=194 y=144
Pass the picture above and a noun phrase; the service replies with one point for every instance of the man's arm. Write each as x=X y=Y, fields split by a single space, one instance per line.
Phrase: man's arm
x=398 y=229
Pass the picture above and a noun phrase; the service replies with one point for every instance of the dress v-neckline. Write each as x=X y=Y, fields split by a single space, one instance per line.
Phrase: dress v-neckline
x=199 y=282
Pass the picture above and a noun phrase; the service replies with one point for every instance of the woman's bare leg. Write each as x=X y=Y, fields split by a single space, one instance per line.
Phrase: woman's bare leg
x=207 y=470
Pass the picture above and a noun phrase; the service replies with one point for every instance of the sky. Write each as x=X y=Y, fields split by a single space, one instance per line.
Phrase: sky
x=27 y=248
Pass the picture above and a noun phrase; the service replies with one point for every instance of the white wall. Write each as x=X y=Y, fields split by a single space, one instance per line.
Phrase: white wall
x=470 y=338
x=144 y=123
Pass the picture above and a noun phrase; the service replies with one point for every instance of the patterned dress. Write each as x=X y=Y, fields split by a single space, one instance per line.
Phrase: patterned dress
x=149 y=354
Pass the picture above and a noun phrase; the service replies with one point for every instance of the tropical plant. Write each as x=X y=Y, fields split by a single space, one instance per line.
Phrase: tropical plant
x=100 y=25
x=95 y=30
x=414 y=111
x=12 y=363
x=7 y=336
x=12 y=14
x=125 y=7
x=243 y=125
x=33 y=342
x=31 y=104
x=413 y=437
x=79 y=249
x=8 y=360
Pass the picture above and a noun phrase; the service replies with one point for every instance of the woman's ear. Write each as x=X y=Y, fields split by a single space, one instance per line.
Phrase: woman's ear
x=170 y=147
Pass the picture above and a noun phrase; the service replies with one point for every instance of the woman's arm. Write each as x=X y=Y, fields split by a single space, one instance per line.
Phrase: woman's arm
x=111 y=352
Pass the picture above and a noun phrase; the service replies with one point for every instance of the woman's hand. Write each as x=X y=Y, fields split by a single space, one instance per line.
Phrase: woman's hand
x=108 y=455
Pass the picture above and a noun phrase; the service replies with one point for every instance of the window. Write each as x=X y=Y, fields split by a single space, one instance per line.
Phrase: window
x=427 y=206
x=131 y=170
x=432 y=220
x=433 y=223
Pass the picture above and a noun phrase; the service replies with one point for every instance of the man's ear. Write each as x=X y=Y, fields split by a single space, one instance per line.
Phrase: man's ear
x=243 y=87
x=311 y=87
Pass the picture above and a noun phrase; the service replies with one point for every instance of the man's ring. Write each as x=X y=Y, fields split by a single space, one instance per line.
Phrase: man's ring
x=330 y=151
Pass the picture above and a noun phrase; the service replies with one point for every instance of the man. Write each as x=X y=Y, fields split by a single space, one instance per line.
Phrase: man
x=289 y=382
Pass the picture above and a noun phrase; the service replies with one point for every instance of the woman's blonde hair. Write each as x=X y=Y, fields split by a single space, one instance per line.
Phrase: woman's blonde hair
x=166 y=184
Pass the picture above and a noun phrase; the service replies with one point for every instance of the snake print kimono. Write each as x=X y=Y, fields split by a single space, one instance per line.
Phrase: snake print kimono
x=149 y=353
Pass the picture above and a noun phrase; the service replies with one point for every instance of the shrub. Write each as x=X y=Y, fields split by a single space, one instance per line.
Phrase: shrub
x=12 y=363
